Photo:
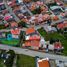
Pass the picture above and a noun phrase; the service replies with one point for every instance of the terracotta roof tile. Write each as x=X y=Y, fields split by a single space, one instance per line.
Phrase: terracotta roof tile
x=34 y=43
x=44 y=63
x=30 y=30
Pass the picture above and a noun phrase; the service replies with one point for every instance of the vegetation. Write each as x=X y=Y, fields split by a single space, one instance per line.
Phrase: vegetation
x=37 y=11
x=54 y=35
x=9 y=61
x=1 y=63
x=12 y=42
x=25 y=61
x=22 y=24
x=2 y=27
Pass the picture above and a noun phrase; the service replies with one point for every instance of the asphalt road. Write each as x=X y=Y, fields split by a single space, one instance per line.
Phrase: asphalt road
x=34 y=53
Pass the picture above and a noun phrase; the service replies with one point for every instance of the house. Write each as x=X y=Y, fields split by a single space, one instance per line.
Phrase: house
x=55 y=8
x=32 y=38
x=43 y=62
x=49 y=28
x=62 y=25
x=59 y=2
x=26 y=1
x=2 y=6
x=58 y=47
x=14 y=24
x=15 y=33
x=7 y=17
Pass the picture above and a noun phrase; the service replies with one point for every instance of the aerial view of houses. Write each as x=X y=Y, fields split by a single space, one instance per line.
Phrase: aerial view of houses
x=33 y=33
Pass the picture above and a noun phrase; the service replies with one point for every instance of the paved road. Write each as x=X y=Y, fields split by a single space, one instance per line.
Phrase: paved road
x=33 y=53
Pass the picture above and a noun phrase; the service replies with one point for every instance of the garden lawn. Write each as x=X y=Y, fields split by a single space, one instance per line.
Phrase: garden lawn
x=54 y=35
x=25 y=61
x=13 y=42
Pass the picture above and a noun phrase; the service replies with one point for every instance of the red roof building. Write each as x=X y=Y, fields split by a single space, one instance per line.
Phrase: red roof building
x=14 y=24
x=15 y=31
x=62 y=25
x=30 y=30
x=43 y=63
x=32 y=38
x=57 y=45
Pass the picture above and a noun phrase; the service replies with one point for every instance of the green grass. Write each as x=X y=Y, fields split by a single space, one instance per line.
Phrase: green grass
x=1 y=63
x=55 y=35
x=25 y=61
x=10 y=42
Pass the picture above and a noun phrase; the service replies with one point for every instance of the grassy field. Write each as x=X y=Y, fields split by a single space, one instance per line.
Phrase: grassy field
x=13 y=42
x=55 y=35
x=25 y=61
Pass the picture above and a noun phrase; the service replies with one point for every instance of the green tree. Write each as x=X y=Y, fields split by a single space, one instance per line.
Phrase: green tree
x=10 y=59
x=22 y=24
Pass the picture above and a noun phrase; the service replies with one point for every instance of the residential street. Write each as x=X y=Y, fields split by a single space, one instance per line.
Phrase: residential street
x=33 y=53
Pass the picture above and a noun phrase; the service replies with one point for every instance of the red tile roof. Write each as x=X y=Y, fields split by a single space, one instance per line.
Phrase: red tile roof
x=65 y=24
x=44 y=63
x=34 y=38
x=15 y=31
x=62 y=25
x=30 y=30
x=14 y=24
x=34 y=43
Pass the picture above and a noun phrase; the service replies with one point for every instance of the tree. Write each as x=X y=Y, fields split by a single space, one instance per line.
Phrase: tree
x=37 y=10
x=10 y=59
x=22 y=35
x=22 y=24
